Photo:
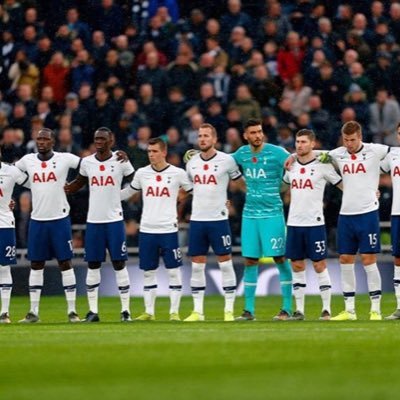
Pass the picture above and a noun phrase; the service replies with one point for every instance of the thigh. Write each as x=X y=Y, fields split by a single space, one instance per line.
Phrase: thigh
x=251 y=239
x=395 y=235
x=273 y=236
x=170 y=250
x=220 y=237
x=95 y=242
x=149 y=251
x=116 y=241
x=347 y=240
x=7 y=246
x=295 y=246
x=369 y=233
x=198 y=238
x=315 y=237
x=61 y=238
x=39 y=244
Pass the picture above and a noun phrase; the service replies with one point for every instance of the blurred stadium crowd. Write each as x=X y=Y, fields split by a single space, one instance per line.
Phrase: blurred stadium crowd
x=163 y=67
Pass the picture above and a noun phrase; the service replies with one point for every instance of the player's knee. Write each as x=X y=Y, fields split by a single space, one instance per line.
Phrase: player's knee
x=298 y=265
x=65 y=265
x=94 y=265
x=251 y=262
x=223 y=258
x=319 y=266
x=118 y=265
x=37 y=265
x=368 y=259
x=346 y=259
x=199 y=259
x=279 y=260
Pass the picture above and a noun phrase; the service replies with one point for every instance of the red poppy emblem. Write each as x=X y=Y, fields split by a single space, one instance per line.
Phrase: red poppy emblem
x=158 y=178
x=44 y=165
x=302 y=170
x=205 y=167
x=254 y=159
x=102 y=168
x=353 y=157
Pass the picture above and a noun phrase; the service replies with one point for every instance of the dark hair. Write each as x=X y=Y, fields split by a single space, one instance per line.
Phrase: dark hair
x=252 y=122
x=211 y=127
x=159 y=141
x=306 y=132
x=105 y=130
x=48 y=130
x=351 y=127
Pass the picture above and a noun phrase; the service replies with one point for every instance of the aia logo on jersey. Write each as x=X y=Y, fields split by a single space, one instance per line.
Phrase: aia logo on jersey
x=157 y=192
x=44 y=177
x=205 y=179
x=254 y=173
x=396 y=171
x=302 y=184
x=102 y=180
x=354 y=168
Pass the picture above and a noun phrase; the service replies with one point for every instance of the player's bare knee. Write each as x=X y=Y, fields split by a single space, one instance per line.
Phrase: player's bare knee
x=397 y=261
x=368 y=259
x=298 y=265
x=225 y=257
x=199 y=259
x=118 y=265
x=250 y=262
x=319 y=266
x=37 y=265
x=279 y=260
x=94 y=265
x=65 y=265
x=347 y=259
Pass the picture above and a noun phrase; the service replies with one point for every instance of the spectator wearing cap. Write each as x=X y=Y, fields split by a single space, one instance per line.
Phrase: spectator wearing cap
x=56 y=75
x=384 y=118
x=381 y=73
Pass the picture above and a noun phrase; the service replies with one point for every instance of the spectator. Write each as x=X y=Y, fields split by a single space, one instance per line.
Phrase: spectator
x=235 y=17
x=10 y=150
x=65 y=142
x=77 y=28
x=264 y=89
x=232 y=140
x=109 y=19
x=79 y=118
x=151 y=108
x=137 y=150
x=298 y=93
x=244 y=102
x=99 y=47
x=44 y=53
x=175 y=143
x=320 y=121
x=22 y=72
x=82 y=71
x=191 y=132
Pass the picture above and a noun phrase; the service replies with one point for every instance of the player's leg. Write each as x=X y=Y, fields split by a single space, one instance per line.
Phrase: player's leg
x=149 y=249
x=172 y=256
x=38 y=252
x=198 y=248
x=347 y=245
x=370 y=245
x=61 y=245
x=251 y=250
x=7 y=258
x=95 y=254
x=395 y=234
x=273 y=239
x=116 y=244
x=316 y=250
x=220 y=238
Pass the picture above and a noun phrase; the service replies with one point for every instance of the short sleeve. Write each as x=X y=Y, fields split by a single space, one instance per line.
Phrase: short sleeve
x=282 y=155
x=74 y=161
x=286 y=178
x=185 y=182
x=233 y=169
x=19 y=176
x=83 y=169
x=331 y=175
x=385 y=164
x=135 y=184
x=21 y=165
x=127 y=168
x=380 y=149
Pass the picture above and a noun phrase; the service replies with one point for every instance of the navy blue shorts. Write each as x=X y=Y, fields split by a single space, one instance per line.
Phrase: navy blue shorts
x=359 y=232
x=202 y=234
x=103 y=236
x=395 y=234
x=7 y=246
x=306 y=242
x=50 y=239
x=154 y=245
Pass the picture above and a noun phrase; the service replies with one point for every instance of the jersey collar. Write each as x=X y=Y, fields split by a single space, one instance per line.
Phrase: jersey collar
x=161 y=170
x=208 y=159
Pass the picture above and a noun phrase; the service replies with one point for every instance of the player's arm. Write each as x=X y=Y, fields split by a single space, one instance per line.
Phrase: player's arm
x=239 y=184
x=78 y=183
x=128 y=192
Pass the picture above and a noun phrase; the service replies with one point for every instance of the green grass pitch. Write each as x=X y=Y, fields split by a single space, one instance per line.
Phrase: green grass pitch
x=55 y=360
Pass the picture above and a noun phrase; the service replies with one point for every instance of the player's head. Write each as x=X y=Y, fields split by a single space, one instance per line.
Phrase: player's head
x=352 y=136
x=253 y=133
x=207 y=137
x=103 y=140
x=45 y=140
x=157 y=151
x=305 y=142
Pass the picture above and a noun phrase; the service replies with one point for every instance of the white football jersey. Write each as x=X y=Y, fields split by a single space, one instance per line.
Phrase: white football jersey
x=360 y=174
x=9 y=176
x=47 y=180
x=307 y=184
x=105 y=180
x=210 y=183
x=391 y=164
x=159 y=194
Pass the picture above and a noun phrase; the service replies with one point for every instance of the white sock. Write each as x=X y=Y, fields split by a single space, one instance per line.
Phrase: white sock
x=228 y=284
x=69 y=284
x=175 y=289
x=325 y=287
x=348 y=286
x=6 y=287
x=150 y=291
x=396 y=281
x=299 y=289
x=93 y=279
x=374 y=286
x=198 y=285
x=35 y=288
x=123 y=283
